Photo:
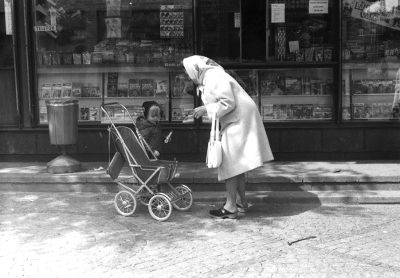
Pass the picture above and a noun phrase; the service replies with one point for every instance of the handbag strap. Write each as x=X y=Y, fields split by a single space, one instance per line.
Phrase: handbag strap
x=214 y=133
x=217 y=128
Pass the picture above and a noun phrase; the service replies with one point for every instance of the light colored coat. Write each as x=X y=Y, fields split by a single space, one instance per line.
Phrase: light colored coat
x=244 y=140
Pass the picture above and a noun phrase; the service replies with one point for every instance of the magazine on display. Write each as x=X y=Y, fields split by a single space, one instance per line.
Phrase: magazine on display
x=147 y=87
x=134 y=88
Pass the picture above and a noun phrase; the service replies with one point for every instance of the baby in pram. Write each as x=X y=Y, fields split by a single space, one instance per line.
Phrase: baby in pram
x=149 y=127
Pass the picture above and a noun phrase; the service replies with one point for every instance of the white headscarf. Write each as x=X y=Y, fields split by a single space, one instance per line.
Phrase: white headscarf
x=196 y=66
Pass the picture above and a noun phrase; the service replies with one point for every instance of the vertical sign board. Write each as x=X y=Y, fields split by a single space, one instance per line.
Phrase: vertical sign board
x=8 y=16
x=237 y=20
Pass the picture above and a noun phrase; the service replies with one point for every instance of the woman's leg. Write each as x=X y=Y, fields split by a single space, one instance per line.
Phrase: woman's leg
x=231 y=185
x=241 y=190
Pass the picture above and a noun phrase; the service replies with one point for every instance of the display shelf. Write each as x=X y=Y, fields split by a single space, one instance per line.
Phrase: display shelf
x=101 y=68
x=297 y=99
x=138 y=98
x=363 y=65
x=277 y=64
x=298 y=120
x=373 y=97
x=190 y=97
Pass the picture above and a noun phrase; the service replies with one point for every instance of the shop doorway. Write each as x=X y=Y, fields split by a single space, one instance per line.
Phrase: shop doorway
x=8 y=101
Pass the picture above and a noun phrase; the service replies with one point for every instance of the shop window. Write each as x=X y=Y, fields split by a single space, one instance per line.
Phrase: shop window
x=371 y=47
x=8 y=104
x=102 y=51
x=301 y=31
x=296 y=94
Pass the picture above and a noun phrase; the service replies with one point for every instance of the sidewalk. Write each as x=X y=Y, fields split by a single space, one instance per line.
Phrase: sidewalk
x=81 y=235
x=344 y=182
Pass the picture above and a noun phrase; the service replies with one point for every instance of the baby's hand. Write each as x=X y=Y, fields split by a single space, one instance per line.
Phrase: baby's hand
x=156 y=153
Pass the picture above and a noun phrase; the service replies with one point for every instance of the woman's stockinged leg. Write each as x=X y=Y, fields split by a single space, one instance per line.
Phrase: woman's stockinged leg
x=231 y=185
x=241 y=190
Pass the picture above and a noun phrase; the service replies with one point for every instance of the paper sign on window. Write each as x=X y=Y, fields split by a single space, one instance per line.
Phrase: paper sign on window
x=237 y=20
x=8 y=16
x=318 y=6
x=277 y=13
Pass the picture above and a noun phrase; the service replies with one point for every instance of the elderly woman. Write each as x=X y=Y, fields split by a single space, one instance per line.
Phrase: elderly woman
x=244 y=141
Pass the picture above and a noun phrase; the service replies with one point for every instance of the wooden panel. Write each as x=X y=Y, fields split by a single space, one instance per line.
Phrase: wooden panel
x=343 y=140
x=382 y=140
x=301 y=140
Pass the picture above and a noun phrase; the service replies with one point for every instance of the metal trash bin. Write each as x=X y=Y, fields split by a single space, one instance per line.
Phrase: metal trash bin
x=62 y=117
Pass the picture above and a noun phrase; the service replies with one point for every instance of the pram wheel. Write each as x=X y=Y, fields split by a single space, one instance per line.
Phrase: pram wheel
x=160 y=207
x=125 y=203
x=185 y=200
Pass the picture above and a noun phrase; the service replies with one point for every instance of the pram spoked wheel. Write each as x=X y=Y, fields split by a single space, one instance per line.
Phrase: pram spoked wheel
x=185 y=200
x=125 y=203
x=160 y=207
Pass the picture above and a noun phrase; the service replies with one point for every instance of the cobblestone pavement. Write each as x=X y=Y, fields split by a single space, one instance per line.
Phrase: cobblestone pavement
x=81 y=235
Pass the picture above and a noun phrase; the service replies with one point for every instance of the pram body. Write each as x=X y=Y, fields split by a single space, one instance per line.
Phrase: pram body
x=147 y=174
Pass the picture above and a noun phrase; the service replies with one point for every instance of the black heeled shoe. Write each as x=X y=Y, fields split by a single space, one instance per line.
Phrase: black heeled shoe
x=223 y=214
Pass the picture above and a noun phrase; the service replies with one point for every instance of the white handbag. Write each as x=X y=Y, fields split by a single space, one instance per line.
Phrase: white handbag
x=214 y=150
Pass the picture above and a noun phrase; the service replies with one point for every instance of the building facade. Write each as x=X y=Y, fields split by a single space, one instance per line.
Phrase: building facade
x=323 y=73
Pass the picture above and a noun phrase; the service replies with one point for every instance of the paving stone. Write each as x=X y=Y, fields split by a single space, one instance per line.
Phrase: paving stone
x=81 y=235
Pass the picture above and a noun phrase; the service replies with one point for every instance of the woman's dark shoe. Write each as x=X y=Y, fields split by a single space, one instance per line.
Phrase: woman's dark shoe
x=223 y=214
x=243 y=209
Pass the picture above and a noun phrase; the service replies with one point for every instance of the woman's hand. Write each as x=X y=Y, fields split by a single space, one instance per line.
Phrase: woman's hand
x=199 y=111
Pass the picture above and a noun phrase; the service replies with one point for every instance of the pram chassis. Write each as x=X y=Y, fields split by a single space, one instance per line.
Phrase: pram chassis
x=159 y=203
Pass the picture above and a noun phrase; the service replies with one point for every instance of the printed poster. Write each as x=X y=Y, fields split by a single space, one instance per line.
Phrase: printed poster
x=277 y=13
x=318 y=6
x=113 y=25
x=373 y=12
x=171 y=21
x=113 y=7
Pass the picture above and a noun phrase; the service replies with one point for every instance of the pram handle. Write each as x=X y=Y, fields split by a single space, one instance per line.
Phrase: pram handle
x=111 y=103
x=142 y=140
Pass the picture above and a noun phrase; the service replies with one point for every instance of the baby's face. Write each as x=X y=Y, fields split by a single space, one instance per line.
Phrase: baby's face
x=154 y=115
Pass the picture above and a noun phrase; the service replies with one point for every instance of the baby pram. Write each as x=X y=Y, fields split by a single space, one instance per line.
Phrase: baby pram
x=148 y=174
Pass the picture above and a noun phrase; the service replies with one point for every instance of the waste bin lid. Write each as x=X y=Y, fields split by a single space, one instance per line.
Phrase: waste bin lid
x=61 y=102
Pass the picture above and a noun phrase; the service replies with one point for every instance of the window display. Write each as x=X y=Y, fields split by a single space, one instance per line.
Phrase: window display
x=183 y=93
x=299 y=32
x=296 y=94
x=110 y=51
x=248 y=79
x=371 y=44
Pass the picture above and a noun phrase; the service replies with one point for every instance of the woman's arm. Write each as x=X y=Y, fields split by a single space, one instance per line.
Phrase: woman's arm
x=219 y=86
